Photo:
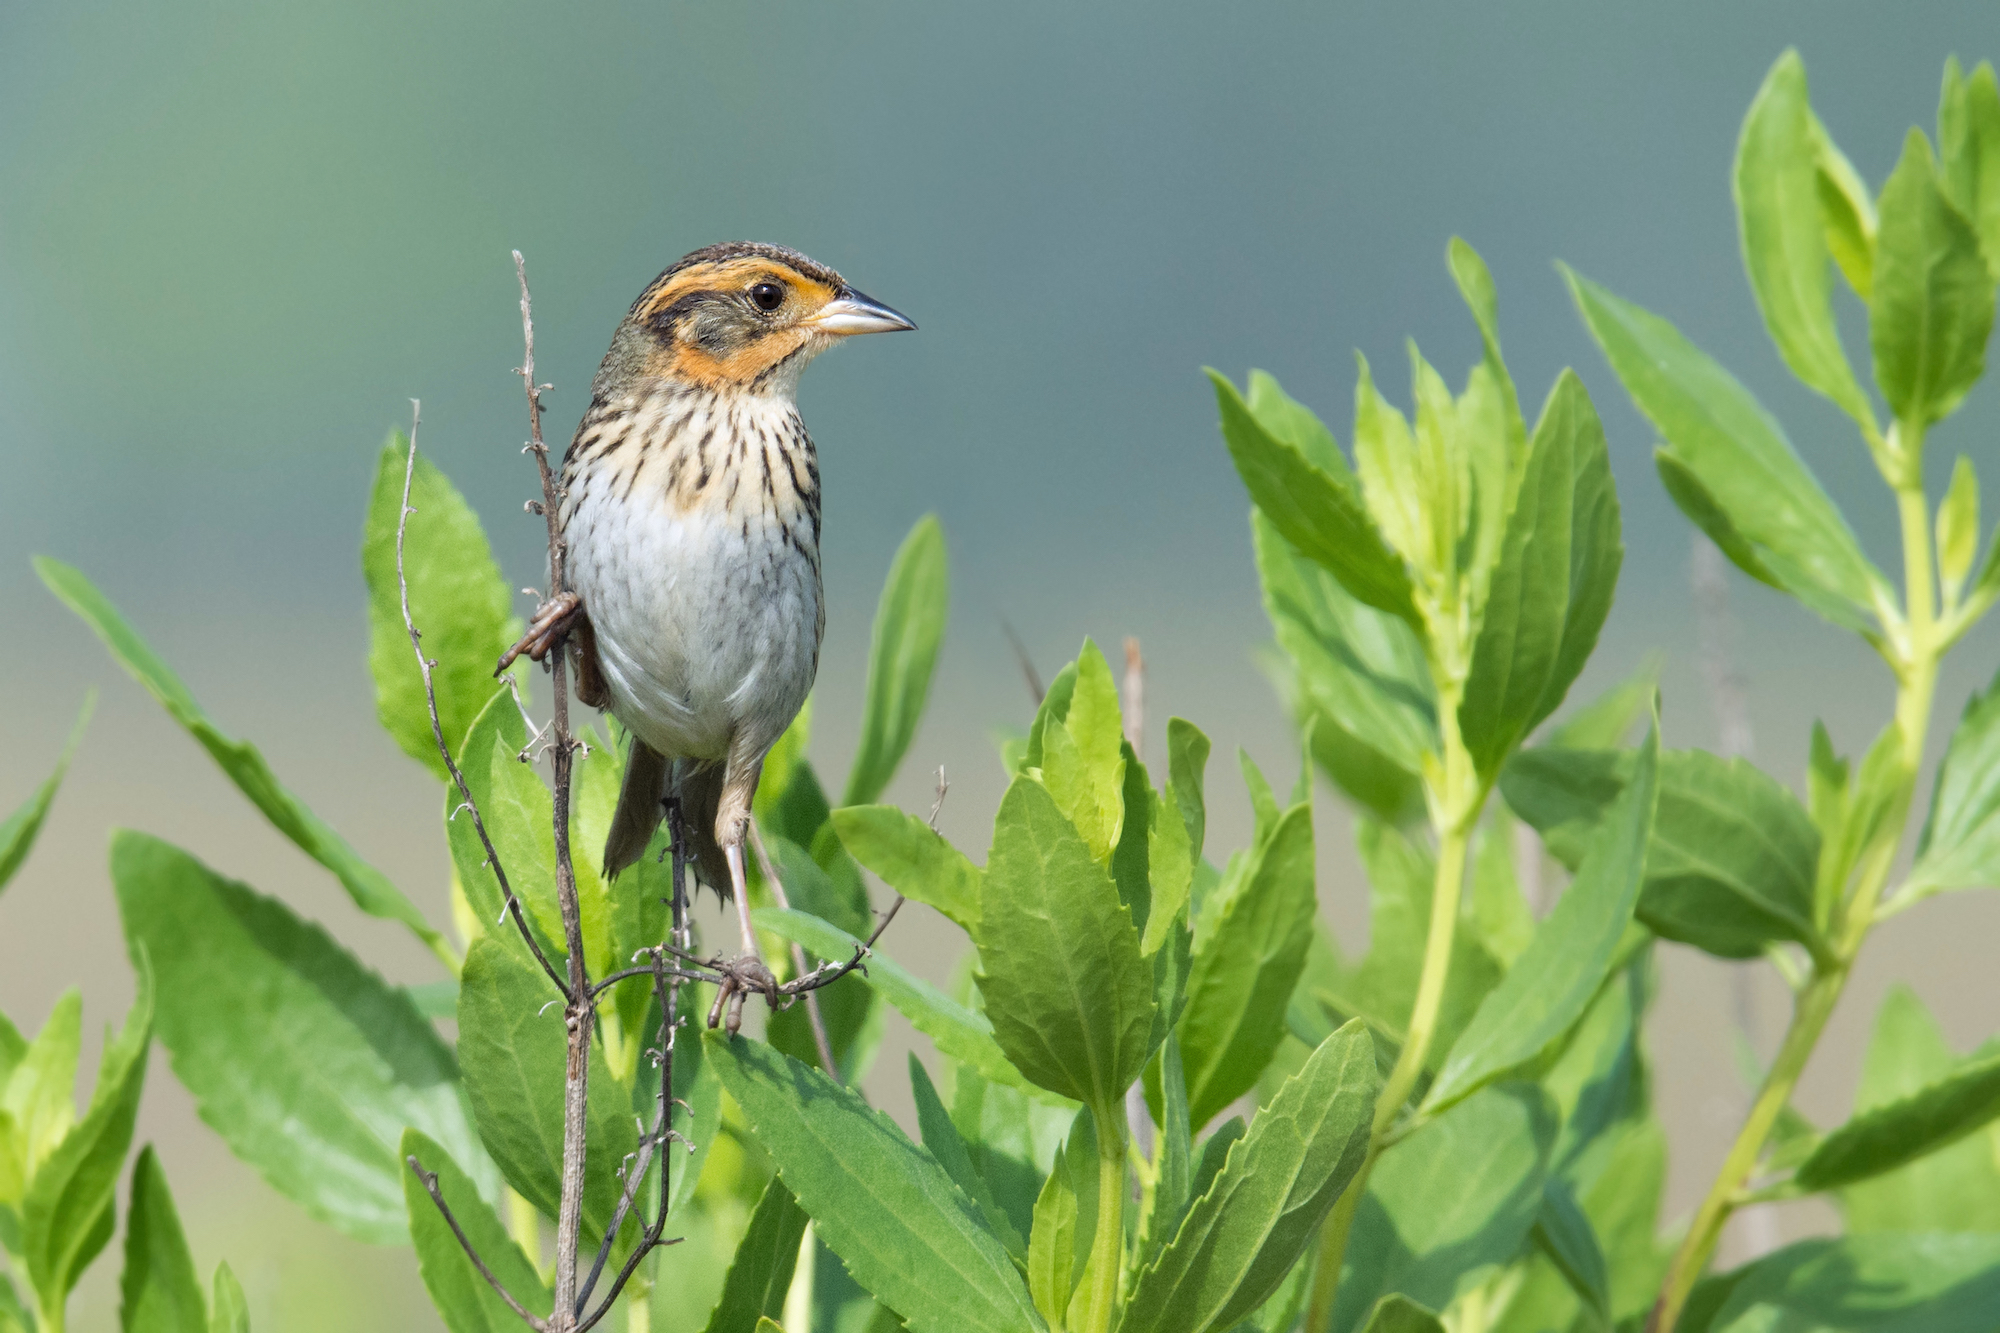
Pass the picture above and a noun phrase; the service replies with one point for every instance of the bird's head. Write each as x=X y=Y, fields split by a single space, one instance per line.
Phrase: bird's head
x=748 y=316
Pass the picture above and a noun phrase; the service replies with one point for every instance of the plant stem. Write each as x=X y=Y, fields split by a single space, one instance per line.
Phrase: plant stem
x=1455 y=807
x=1106 y=1246
x=1916 y=649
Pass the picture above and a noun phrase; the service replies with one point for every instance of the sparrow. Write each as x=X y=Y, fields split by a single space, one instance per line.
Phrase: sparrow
x=691 y=527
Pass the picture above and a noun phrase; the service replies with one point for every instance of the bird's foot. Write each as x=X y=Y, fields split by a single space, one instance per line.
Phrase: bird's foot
x=553 y=619
x=741 y=978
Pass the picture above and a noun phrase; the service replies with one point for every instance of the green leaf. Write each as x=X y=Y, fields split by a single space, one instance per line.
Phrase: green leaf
x=38 y=1097
x=883 y=1204
x=1932 y=304
x=1960 y=846
x=1455 y=1197
x=1906 y=1054
x=1383 y=989
x=1551 y=984
x=1777 y=188
x=1969 y=142
x=912 y=859
x=761 y=1272
x=1847 y=210
x=1249 y=953
x=1317 y=512
x=458 y=601
x=159 y=1292
x=1733 y=472
x=14 y=1316
x=240 y=762
x=514 y=1053
x=1052 y=1243
x=1552 y=588
x=902 y=652
x=1297 y=425
x=1400 y=1314
x=700 y=1118
x=463 y=1298
x=1069 y=995
x=1606 y=721
x=66 y=1218
x=1083 y=764
x=1733 y=856
x=1475 y=285
x=1563 y=1233
x=961 y=1033
x=517 y=809
x=1958 y=529
x=1248 y=1227
x=1173 y=1155
x=942 y=1139
x=1501 y=917
x=308 y=1064
x=1889 y=1136
x=1360 y=667
x=228 y=1311
x=1881 y=1284
x=18 y=830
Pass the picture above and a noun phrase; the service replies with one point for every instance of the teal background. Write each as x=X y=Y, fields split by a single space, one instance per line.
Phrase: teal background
x=235 y=239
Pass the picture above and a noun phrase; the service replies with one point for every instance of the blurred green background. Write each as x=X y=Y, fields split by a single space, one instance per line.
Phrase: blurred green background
x=236 y=238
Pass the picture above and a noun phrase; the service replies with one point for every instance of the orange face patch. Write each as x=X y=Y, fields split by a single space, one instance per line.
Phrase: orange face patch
x=708 y=329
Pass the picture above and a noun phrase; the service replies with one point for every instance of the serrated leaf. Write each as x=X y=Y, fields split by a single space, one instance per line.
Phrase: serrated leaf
x=516 y=808
x=1847 y=211
x=1552 y=982
x=1316 y=512
x=1563 y=1233
x=1883 y=1284
x=1067 y=990
x=912 y=859
x=66 y=1218
x=239 y=760
x=902 y=653
x=514 y=1055
x=19 y=829
x=1778 y=208
x=882 y=1203
x=1551 y=590
x=1248 y=1227
x=464 y=1299
x=1245 y=967
x=943 y=1141
x=1083 y=764
x=1475 y=285
x=1776 y=521
x=1889 y=1136
x=1906 y=1053
x=1363 y=668
x=158 y=1291
x=1932 y=304
x=458 y=601
x=1733 y=857
x=38 y=1097
x=1400 y=1314
x=308 y=1064
x=761 y=1272
x=1969 y=143
x=1960 y=845
x=1456 y=1197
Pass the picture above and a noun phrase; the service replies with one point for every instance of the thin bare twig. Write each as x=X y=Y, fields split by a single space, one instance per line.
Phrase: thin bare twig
x=1138 y=1119
x=424 y=664
x=818 y=1021
x=1026 y=663
x=430 y=1183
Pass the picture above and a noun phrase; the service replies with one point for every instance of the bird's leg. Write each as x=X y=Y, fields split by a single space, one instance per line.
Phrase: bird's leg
x=749 y=973
x=553 y=619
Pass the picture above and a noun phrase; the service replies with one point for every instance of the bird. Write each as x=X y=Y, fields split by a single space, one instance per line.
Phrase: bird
x=690 y=520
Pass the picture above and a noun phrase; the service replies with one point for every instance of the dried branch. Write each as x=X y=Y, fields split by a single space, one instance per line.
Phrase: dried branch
x=430 y=1184
x=1026 y=663
x=820 y=1038
x=424 y=664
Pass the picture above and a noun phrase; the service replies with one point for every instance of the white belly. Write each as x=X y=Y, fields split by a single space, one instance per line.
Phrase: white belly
x=708 y=621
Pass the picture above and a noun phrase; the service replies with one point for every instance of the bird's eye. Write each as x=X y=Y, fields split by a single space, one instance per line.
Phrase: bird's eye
x=767 y=295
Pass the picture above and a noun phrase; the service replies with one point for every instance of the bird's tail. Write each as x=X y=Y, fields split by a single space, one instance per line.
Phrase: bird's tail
x=650 y=778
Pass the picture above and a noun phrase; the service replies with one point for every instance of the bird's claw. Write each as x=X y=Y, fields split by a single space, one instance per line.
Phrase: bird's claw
x=741 y=978
x=553 y=619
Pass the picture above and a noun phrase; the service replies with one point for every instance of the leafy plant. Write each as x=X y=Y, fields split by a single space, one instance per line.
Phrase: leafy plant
x=1166 y=1100
x=1923 y=257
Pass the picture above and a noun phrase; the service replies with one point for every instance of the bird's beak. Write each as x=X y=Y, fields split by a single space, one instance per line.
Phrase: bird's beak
x=851 y=312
